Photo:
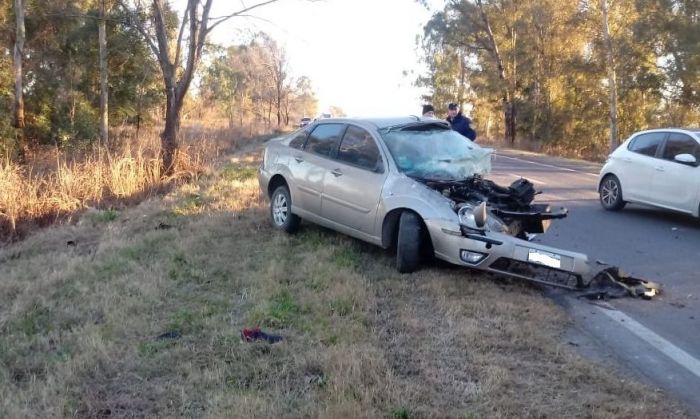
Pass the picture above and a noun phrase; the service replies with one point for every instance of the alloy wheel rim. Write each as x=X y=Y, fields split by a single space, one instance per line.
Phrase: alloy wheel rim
x=610 y=192
x=280 y=209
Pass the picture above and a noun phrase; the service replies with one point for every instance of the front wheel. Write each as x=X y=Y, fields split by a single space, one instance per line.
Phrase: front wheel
x=610 y=192
x=281 y=211
x=408 y=242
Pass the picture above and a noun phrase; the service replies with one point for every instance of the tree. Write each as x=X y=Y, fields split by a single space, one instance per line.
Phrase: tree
x=177 y=67
x=612 y=78
x=304 y=100
x=18 y=56
x=242 y=80
x=548 y=63
x=104 y=91
x=337 y=111
x=465 y=28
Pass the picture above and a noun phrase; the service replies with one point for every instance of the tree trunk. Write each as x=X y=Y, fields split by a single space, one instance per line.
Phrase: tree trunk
x=462 y=77
x=612 y=82
x=104 y=91
x=510 y=116
x=279 y=108
x=513 y=87
x=508 y=105
x=18 y=121
x=269 y=114
x=169 y=143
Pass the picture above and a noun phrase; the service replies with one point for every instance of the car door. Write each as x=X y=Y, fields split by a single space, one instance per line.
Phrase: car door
x=637 y=167
x=310 y=163
x=353 y=186
x=675 y=185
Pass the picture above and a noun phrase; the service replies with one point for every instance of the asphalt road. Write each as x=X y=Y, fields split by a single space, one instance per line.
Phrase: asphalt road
x=658 y=340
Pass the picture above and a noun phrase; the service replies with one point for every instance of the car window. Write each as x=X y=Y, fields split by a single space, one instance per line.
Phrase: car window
x=324 y=139
x=299 y=139
x=358 y=148
x=678 y=143
x=647 y=144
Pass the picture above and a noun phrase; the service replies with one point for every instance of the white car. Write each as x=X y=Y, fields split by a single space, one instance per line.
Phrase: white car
x=656 y=167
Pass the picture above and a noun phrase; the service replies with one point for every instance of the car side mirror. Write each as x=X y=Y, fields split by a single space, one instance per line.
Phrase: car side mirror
x=686 y=158
x=480 y=215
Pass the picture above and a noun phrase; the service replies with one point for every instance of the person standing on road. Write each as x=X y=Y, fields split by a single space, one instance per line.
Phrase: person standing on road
x=428 y=111
x=459 y=122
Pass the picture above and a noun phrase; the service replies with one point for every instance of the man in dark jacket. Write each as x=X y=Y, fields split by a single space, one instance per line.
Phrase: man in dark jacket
x=459 y=122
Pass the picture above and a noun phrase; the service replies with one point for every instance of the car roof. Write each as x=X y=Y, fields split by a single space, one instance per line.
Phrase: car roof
x=693 y=130
x=386 y=122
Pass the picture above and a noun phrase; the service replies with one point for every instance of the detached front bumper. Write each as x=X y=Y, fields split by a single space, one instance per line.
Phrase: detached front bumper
x=507 y=255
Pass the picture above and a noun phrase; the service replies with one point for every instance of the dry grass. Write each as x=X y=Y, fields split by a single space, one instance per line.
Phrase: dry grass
x=137 y=313
x=53 y=185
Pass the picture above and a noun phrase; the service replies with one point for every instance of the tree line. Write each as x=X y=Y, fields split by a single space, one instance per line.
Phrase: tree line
x=574 y=75
x=70 y=69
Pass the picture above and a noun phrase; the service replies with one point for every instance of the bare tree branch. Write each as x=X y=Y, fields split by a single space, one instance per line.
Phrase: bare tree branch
x=141 y=27
x=163 y=46
x=179 y=36
x=222 y=19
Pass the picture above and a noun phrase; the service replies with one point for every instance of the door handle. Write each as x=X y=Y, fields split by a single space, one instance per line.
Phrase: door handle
x=299 y=159
x=627 y=159
x=660 y=169
x=337 y=173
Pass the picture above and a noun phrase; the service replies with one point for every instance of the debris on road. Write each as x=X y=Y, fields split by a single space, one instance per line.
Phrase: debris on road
x=613 y=282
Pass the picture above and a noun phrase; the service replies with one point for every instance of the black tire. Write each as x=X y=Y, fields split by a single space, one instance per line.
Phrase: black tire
x=408 y=242
x=610 y=193
x=281 y=211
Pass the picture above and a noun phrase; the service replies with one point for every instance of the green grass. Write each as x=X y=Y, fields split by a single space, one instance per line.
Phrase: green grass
x=106 y=216
x=402 y=413
x=239 y=173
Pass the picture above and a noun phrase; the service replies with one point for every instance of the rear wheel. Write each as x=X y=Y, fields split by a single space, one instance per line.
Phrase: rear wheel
x=281 y=211
x=409 y=242
x=610 y=192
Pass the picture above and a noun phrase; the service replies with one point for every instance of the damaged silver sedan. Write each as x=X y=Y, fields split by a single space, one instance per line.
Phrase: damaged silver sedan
x=416 y=185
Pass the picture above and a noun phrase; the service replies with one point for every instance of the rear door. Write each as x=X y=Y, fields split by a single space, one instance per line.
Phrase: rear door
x=637 y=167
x=353 y=186
x=310 y=162
x=676 y=185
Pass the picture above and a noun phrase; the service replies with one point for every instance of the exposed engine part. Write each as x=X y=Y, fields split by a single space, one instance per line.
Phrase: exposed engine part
x=511 y=210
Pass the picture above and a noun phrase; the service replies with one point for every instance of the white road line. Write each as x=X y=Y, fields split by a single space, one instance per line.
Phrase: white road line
x=547 y=165
x=533 y=180
x=677 y=354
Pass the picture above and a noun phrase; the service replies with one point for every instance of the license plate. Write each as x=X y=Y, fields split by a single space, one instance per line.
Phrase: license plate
x=544 y=258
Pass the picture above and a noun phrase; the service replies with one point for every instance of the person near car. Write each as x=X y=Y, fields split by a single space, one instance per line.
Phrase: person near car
x=459 y=122
x=428 y=111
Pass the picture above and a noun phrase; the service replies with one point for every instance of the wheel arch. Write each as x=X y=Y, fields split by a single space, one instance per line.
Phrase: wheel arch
x=390 y=227
x=275 y=182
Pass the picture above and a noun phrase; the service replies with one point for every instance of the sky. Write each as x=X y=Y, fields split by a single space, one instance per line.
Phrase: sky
x=354 y=51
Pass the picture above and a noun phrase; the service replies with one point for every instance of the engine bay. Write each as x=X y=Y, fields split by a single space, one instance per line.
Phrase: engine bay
x=511 y=208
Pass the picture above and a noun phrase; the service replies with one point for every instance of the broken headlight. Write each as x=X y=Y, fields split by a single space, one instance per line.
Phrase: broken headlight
x=466 y=216
x=467 y=219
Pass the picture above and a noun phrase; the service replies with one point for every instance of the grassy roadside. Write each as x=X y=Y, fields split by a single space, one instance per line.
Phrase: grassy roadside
x=138 y=312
